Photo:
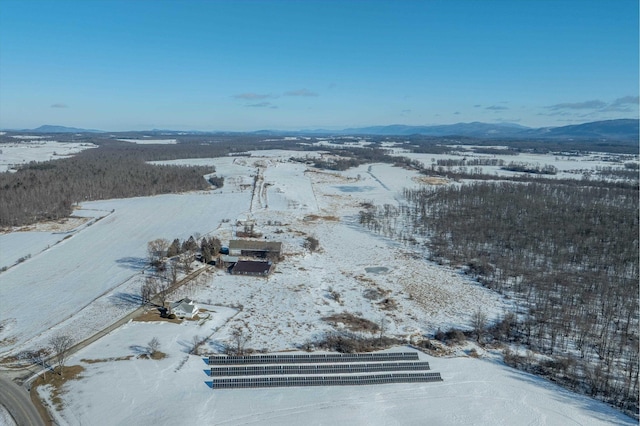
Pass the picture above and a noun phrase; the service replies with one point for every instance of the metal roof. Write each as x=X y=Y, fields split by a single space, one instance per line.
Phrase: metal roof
x=255 y=245
x=251 y=267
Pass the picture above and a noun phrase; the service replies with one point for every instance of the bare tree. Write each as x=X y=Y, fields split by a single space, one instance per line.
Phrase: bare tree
x=382 y=326
x=479 y=323
x=239 y=338
x=186 y=259
x=60 y=344
x=172 y=272
x=163 y=288
x=148 y=289
x=197 y=343
x=157 y=250
x=153 y=346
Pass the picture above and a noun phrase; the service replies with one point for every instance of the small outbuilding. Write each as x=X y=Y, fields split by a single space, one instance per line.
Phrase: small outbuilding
x=252 y=267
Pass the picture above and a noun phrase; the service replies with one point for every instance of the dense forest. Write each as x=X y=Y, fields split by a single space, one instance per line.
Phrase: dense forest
x=566 y=255
x=48 y=190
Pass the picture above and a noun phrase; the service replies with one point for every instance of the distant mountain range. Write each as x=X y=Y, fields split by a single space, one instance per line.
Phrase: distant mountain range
x=622 y=130
x=48 y=128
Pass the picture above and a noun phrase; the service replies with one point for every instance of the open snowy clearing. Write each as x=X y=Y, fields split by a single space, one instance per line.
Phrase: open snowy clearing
x=173 y=390
x=151 y=141
x=568 y=167
x=16 y=154
x=92 y=278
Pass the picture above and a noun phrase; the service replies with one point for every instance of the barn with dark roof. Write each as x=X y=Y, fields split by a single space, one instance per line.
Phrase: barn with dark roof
x=252 y=267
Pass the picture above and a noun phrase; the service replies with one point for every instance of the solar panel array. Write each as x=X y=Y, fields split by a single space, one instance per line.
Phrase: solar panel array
x=311 y=358
x=262 y=370
x=268 y=382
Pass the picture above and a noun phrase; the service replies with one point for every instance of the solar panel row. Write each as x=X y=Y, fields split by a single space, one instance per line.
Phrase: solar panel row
x=318 y=369
x=264 y=382
x=312 y=358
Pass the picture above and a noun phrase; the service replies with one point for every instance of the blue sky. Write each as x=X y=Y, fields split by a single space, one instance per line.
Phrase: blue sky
x=250 y=65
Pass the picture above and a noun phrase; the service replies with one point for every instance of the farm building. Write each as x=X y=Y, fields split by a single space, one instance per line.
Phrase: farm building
x=261 y=249
x=251 y=267
x=184 y=308
x=226 y=260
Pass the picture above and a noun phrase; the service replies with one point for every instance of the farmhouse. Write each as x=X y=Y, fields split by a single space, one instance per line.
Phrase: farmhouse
x=252 y=267
x=253 y=248
x=184 y=308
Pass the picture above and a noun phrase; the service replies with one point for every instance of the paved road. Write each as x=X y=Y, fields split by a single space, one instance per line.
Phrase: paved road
x=16 y=400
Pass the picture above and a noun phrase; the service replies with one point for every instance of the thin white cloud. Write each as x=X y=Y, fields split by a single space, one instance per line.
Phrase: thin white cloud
x=626 y=100
x=262 y=105
x=301 y=92
x=624 y=104
x=594 y=104
x=594 y=108
x=252 y=96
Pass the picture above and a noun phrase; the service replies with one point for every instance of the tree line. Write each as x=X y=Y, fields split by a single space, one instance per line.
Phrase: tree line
x=116 y=169
x=48 y=190
x=567 y=256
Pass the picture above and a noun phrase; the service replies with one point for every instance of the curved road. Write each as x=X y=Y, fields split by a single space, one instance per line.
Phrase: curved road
x=17 y=402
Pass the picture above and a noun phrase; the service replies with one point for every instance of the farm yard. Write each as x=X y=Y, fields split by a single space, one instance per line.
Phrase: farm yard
x=100 y=262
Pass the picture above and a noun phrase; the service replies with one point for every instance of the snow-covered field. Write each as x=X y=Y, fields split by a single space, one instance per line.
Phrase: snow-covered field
x=92 y=278
x=174 y=390
x=151 y=141
x=31 y=149
x=568 y=167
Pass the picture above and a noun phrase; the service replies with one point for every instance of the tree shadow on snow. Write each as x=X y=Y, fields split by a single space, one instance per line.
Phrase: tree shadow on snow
x=216 y=347
x=135 y=263
x=125 y=300
x=139 y=350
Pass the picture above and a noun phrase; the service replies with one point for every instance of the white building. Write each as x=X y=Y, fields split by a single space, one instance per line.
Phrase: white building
x=184 y=308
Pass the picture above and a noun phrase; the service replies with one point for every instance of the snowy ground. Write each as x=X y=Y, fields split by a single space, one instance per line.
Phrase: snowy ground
x=568 y=167
x=173 y=390
x=92 y=278
x=151 y=141
x=31 y=149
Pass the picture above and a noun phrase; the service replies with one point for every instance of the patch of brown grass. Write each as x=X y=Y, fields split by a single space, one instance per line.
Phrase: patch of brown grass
x=364 y=279
x=8 y=341
x=352 y=322
x=95 y=361
x=313 y=217
x=57 y=381
x=430 y=180
x=154 y=315
x=8 y=360
x=158 y=355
